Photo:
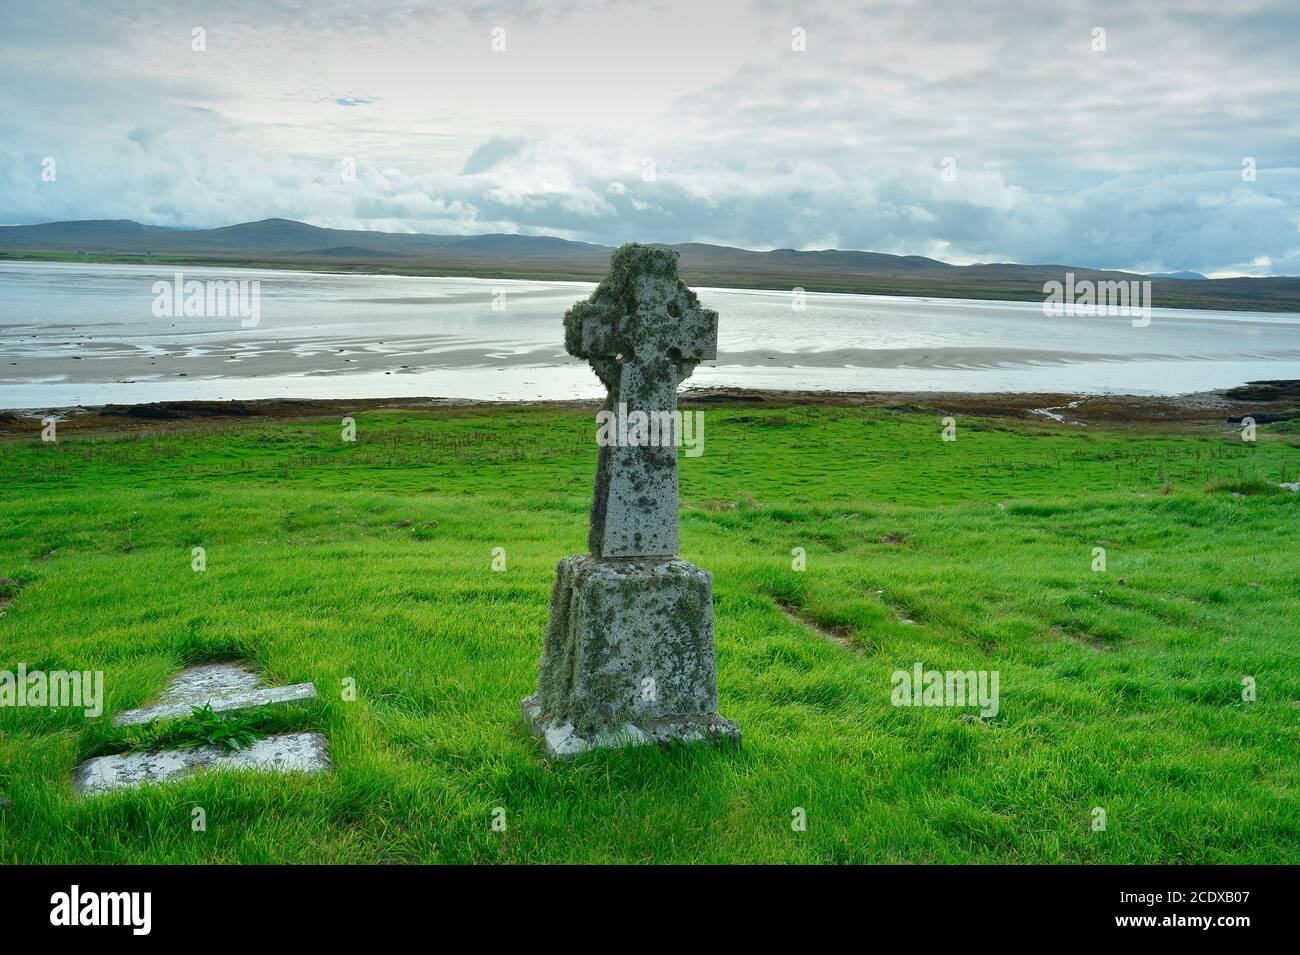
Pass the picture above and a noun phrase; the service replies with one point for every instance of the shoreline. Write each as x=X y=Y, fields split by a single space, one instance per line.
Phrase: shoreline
x=1265 y=401
x=1172 y=293
x=91 y=338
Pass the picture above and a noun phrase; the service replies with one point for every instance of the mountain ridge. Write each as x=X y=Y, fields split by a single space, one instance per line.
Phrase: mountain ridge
x=287 y=243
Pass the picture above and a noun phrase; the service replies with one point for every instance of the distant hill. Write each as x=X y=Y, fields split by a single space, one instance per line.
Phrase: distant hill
x=286 y=243
x=1184 y=275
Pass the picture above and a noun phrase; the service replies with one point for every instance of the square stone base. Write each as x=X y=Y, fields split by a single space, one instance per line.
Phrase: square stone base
x=628 y=657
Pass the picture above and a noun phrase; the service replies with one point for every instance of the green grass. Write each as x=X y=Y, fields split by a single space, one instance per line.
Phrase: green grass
x=372 y=561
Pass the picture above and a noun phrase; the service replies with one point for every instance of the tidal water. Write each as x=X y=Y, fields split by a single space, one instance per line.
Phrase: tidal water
x=91 y=334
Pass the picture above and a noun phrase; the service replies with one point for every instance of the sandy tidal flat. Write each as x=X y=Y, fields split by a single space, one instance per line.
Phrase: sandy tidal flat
x=87 y=334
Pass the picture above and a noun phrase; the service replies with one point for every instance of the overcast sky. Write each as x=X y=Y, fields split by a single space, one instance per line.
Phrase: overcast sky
x=678 y=121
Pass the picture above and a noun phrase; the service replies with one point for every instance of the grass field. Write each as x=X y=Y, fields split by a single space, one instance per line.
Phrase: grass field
x=327 y=560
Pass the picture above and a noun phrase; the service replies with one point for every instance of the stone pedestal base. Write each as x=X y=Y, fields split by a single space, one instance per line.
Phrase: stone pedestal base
x=628 y=657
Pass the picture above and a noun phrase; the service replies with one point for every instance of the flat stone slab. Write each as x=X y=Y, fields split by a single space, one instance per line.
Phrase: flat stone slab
x=265 y=696
x=286 y=753
x=223 y=686
x=206 y=680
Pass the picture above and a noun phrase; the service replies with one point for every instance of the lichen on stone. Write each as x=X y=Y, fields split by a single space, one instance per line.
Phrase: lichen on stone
x=644 y=332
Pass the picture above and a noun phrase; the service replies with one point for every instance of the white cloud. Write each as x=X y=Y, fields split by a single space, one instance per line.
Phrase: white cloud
x=1128 y=158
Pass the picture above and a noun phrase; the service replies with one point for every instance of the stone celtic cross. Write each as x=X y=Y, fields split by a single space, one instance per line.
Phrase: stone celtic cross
x=643 y=331
x=628 y=656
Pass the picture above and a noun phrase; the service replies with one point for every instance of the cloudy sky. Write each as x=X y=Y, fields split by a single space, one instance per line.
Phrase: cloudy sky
x=1089 y=133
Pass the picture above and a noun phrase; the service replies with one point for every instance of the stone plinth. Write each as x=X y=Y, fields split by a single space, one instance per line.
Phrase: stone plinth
x=628 y=657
